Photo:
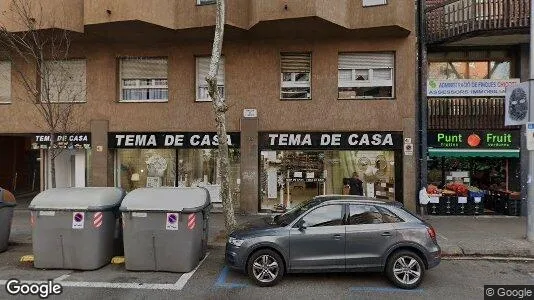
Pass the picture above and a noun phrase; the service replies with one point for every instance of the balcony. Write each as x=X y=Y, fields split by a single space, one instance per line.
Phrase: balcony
x=478 y=22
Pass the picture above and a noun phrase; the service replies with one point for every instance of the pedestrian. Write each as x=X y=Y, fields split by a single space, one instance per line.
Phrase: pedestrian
x=356 y=185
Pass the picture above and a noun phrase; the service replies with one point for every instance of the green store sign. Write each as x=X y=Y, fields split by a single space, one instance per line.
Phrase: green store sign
x=497 y=139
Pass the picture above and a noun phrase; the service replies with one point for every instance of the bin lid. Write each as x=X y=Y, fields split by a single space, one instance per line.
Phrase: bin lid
x=168 y=199
x=86 y=198
x=7 y=204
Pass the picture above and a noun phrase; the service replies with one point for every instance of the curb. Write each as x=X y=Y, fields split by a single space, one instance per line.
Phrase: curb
x=489 y=258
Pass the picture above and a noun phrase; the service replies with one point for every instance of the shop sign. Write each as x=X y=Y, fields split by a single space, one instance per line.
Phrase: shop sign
x=169 y=140
x=64 y=141
x=498 y=139
x=469 y=87
x=331 y=140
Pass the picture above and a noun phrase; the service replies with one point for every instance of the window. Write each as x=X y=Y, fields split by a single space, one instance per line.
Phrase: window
x=143 y=79
x=203 y=68
x=5 y=82
x=329 y=215
x=388 y=216
x=63 y=81
x=295 y=76
x=470 y=70
x=374 y=2
x=364 y=214
x=204 y=2
x=365 y=75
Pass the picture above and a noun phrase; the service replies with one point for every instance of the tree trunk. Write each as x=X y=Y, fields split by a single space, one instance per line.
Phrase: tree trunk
x=220 y=108
x=52 y=153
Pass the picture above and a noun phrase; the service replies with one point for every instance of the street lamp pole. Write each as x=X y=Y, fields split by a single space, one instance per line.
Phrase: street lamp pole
x=530 y=196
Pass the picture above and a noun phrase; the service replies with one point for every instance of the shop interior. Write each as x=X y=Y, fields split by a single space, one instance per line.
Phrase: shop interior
x=176 y=168
x=494 y=180
x=289 y=177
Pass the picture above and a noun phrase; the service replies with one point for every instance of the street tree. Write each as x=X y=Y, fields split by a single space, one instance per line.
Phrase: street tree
x=220 y=107
x=41 y=67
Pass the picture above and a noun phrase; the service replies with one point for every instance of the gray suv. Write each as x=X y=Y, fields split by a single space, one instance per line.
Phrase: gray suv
x=336 y=234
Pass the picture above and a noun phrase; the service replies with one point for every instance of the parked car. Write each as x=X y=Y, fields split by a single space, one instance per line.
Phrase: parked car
x=336 y=233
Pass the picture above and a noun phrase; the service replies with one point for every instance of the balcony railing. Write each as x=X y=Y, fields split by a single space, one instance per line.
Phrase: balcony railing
x=454 y=18
x=466 y=113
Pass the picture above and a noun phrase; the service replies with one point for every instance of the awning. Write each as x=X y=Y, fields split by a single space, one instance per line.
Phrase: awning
x=442 y=152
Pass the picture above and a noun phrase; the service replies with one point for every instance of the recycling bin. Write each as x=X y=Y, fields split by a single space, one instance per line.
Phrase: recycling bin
x=165 y=229
x=6 y=216
x=75 y=228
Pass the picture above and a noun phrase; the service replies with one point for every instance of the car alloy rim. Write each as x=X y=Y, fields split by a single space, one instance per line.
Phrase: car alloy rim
x=407 y=270
x=265 y=268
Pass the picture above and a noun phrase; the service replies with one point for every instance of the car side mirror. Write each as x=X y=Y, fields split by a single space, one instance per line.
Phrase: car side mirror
x=301 y=224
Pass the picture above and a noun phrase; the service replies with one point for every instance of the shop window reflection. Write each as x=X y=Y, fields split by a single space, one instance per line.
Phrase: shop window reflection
x=146 y=168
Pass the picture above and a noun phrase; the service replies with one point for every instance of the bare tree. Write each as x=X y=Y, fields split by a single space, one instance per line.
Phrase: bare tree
x=39 y=59
x=220 y=108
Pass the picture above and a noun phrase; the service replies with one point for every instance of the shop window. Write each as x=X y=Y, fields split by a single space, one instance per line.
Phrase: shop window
x=291 y=177
x=365 y=75
x=295 y=77
x=364 y=214
x=374 y=2
x=499 y=70
x=146 y=168
x=64 y=81
x=202 y=70
x=143 y=79
x=5 y=82
x=328 y=215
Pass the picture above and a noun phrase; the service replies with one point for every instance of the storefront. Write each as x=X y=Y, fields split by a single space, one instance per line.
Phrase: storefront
x=184 y=159
x=482 y=165
x=72 y=159
x=295 y=166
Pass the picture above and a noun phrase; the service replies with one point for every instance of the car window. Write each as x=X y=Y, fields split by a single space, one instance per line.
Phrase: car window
x=364 y=214
x=289 y=216
x=328 y=215
x=388 y=216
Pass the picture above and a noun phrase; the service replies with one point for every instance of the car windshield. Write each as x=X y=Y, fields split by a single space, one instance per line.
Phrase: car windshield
x=289 y=216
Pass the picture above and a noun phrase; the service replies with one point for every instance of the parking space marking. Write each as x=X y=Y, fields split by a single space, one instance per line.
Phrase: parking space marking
x=185 y=277
x=221 y=281
x=179 y=285
x=383 y=289
x=443 y=237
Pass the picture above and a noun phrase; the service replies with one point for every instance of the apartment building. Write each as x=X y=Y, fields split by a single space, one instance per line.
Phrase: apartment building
x=475 y=50
x=317 y=90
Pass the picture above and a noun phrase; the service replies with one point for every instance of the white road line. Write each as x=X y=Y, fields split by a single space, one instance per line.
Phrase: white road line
x=62 y=277
x=179 y=285
x=185 y=277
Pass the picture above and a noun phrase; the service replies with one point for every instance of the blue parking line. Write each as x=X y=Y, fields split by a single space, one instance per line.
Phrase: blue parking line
x=221 y=280
x=383 y=289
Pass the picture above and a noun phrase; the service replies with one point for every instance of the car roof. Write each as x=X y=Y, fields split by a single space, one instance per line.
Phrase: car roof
x=354 y=198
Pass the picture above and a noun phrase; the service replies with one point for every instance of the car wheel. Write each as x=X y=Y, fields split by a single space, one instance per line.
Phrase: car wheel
x=265 y=267
x=405 y=269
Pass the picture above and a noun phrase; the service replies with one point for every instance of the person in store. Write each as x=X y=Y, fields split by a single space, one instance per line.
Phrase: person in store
x=356 y=185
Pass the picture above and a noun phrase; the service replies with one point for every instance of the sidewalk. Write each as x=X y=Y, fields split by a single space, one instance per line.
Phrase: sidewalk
x=457 y=235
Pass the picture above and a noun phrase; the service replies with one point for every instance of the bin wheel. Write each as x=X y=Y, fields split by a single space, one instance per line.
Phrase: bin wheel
x=265 y=267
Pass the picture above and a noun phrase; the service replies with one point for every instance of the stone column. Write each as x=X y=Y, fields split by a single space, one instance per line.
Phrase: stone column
x=249 y=201
x=100 y=172
x=409 y=169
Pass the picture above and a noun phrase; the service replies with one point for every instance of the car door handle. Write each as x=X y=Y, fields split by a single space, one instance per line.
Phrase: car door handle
x=387 y=233
x=337 y=236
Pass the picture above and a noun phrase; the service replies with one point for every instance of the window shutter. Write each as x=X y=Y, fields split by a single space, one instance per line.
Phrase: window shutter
x=366 y=61
x=203 y=68
x=67 y=80
x=143 y=68
x=295 y=62
x=374 y=2
x=5 y=81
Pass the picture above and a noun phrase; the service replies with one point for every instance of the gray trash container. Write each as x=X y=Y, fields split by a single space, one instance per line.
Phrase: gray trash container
x=75 y=228
x=165 y=229
x=6 y=216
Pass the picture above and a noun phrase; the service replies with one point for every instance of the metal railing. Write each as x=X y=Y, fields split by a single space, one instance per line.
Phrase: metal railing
x=466 y=113
x=458 y=17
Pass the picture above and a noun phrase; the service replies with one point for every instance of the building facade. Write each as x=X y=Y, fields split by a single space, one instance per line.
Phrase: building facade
x=317 y=90
x=475 y=50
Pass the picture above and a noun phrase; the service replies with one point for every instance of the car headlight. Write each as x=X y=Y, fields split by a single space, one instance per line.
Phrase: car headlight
x=235 y=242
